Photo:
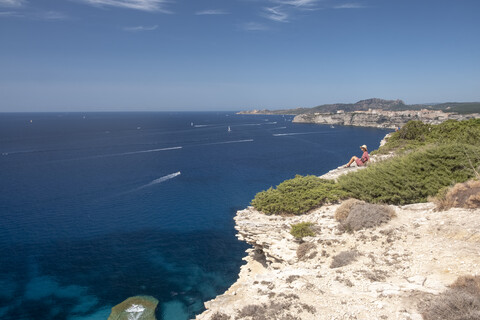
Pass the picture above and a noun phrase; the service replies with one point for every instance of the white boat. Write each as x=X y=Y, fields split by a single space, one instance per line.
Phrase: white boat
x=229 y=129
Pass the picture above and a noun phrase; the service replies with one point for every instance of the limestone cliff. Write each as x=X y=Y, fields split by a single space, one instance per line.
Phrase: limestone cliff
x=396 y=267
x=380 y=118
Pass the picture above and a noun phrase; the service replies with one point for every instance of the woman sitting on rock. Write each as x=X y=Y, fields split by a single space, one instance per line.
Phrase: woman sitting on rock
x=360 y=161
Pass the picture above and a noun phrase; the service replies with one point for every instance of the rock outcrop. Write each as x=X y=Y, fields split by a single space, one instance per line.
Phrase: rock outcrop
x=380 y=118
x=394 y=269
x=135 y=308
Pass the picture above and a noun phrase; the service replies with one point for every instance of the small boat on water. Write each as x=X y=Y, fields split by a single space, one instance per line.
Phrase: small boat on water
x=229 y=129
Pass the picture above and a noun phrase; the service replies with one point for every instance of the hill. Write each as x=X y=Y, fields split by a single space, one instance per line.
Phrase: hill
x=375 y=103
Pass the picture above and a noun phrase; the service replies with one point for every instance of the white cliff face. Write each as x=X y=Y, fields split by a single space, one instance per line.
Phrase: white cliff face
x=379 y=118
x=415 y=255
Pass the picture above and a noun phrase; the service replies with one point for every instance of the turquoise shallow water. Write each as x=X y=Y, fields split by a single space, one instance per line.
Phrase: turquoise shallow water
x=98 y=207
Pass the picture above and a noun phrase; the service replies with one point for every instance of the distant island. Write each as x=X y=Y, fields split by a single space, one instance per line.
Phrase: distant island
x=378 y=113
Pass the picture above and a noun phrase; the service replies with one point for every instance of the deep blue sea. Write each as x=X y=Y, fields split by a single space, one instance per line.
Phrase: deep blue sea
x=99 y=207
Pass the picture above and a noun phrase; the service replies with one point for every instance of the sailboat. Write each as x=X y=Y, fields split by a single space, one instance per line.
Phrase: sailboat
x=229 y=129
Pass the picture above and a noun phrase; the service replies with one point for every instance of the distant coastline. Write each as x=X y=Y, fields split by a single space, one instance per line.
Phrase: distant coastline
x=378 y=113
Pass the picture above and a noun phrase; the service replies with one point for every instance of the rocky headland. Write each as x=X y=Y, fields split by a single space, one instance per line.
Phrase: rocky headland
x=377 y=113
x=380 y=118
x=390 y=272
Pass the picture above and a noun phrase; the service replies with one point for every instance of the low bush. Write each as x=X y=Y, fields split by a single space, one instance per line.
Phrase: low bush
x=440 y=156
x=366 y=215
x=344 y=209
x=461 y=195
x=413 y=177
x=297 y=196
x=303 y=249
x=272 y=311
x=344 y=258
x=302 y=229
x=220 y=316
x=415 y=134
x=460 y=302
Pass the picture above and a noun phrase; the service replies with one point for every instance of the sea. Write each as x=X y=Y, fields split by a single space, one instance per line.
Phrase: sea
x=99 y=207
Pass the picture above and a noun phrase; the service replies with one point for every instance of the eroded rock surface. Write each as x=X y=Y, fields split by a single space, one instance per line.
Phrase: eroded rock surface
x=396 y=266
x=380 y=118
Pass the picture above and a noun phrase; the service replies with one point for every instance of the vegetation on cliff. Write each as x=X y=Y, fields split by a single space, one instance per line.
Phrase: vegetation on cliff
x=416 y=134
x=302 y=229
x=430 y=159
x=297 y=196
x=413 y=177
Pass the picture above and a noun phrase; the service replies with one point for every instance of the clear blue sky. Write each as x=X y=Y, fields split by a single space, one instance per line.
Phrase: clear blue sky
x=100 y=55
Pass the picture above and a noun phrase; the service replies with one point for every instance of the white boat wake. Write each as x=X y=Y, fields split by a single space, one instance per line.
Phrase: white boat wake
x=295 y=133
x=226 y=142
x=143 y=151
x=123 y=154
x=160 y=180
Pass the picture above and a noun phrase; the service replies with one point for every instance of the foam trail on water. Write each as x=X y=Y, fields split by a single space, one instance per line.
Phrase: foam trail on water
x=279 y=128
x=160 y=180
x=248 y=124
x=226 y=142
x=143 y=151
x=121 y=154
x=294 y=133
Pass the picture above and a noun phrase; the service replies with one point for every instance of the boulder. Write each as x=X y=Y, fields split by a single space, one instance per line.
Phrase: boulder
x=135 y=308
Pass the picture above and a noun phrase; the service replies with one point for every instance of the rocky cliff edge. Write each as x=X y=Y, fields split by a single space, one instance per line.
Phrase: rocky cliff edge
x=392 y=271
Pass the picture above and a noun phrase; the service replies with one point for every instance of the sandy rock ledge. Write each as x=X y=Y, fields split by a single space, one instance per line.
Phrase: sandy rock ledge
x=396 y=267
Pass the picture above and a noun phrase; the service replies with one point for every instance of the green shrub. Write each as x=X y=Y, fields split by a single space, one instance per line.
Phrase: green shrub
x=413 y=177
x=415 y=134
x=302 y=229
x=297 y=196
x=438 y=156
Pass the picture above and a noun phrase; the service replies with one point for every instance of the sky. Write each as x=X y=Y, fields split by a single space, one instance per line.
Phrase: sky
x=194 y=55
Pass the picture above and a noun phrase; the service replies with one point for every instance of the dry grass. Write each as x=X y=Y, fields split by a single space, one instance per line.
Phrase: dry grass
x=220 y=316
x=344 y=258
x=303 y=249
x=272 y=311
x=365 y=215
x=468 y=283
x=462 y=195
x=344 y=209
x=292 y=278
x=460 y=302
